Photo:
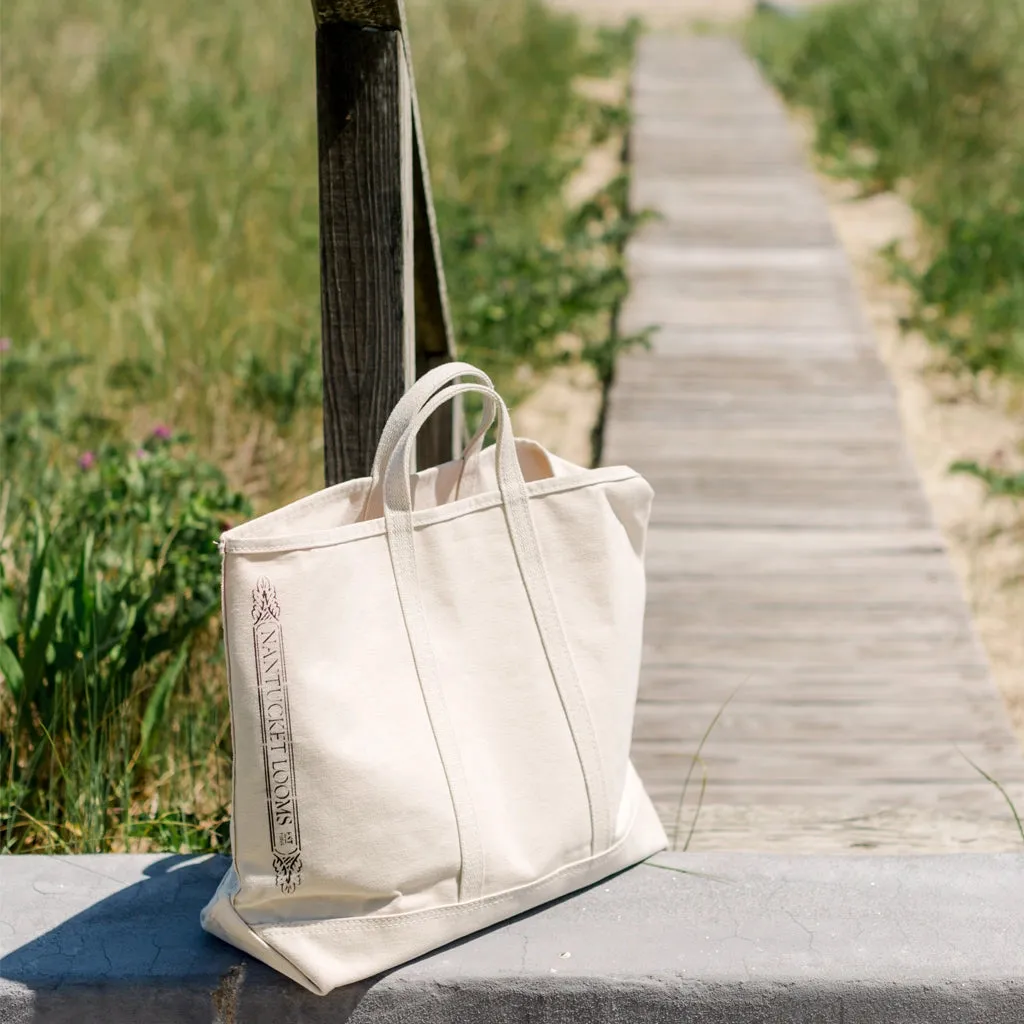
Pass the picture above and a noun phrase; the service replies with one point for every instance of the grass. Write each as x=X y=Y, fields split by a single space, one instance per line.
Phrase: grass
x=159 y=265
x=926 y=97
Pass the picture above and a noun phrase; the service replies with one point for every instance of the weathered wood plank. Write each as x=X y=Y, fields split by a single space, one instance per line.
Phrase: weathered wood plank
x=814 y=674
x=681 y=157
x=974 y=823
x=364 y=124
x=384 y=307
x=725 y=373
x=841 y=799
x=733 y=766
x=684 y=722
x=651 y=257
x=669 y=307
x=756 y=283
x=838 y=345
x=799 y=233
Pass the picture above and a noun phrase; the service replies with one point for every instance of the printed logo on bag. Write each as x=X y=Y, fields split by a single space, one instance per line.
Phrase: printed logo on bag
x=276 y=726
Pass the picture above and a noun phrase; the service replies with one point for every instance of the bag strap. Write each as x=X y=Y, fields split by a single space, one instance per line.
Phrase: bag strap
x=398 y=519
x=408 y=405
x=412 y=401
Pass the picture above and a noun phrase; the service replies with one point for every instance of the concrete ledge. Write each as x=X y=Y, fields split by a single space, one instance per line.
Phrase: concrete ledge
x=704 y=939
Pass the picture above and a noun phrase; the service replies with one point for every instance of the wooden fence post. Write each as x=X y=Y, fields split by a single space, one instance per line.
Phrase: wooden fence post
x=383 y=304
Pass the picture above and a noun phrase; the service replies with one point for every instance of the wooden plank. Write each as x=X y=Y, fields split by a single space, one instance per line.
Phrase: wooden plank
x=779 y=233
x=814 y=674
x=841 y=799
x=842 y=345
x=699 y=128
x=793 y=188
x=725 y=373
x=769 y=408
x=656 y=440
x=365 y=140
x=883 y=651
x=751 y=557
x=817 y=312
x=850 y=628
x=746 y=550
x=384 y=307
x=928 y=686
x=680 y=157
x=733 y=766
x=879 y=820
x=649 y=256
x=684 y=722
x=755 y=283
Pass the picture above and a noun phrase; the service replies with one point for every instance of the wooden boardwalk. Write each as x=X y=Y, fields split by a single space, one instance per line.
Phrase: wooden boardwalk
x=792 y=562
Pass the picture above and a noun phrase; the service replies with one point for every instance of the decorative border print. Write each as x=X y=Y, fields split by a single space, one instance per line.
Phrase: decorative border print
x=276 y=728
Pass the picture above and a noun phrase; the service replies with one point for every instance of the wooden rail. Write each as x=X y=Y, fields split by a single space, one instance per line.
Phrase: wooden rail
x=383 y=303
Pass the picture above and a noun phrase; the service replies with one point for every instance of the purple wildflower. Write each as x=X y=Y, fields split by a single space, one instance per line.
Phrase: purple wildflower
x=5 y=344
x=86 y=460
x=161 y=432
x=141 y=453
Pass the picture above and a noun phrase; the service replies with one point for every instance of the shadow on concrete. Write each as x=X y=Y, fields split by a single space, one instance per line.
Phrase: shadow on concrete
x=139 y=954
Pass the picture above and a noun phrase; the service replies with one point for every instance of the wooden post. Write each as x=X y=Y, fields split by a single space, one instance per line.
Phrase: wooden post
x=383 y=303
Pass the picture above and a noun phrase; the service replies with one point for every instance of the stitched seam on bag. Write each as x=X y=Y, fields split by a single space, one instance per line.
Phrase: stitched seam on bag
x=336 y=536
x=451 y=909
x=231 y=715
x=283 y=516
x=401 y=540
x=425 y=661
x=425 y=517
x=563 y=668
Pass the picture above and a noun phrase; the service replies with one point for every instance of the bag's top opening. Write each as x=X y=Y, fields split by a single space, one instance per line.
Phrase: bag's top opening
x=343 y=504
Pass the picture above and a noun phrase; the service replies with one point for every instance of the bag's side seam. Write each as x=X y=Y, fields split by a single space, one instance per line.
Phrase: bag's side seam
x=403 y=560
x=580 y=723
x=231 y=715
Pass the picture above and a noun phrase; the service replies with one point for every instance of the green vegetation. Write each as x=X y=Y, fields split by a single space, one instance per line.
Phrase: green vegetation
x=927 y=96
x=159 y=265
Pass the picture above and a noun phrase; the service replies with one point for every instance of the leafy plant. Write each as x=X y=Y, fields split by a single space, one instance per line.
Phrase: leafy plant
x=101 y=597
x=514 y=297
x=1000 y=484
x=281 y=391
x=926 y=95
x=158 y=205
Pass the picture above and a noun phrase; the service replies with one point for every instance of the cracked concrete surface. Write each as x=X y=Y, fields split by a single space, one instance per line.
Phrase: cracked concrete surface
x=716 y=938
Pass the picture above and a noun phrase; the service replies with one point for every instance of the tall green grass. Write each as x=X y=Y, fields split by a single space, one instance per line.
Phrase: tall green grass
x=159 y=265
x=926 y=96
x=159 y=185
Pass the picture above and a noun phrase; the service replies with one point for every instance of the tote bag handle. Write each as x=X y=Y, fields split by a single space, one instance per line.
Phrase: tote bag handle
x=409 y=404
x=515 y=501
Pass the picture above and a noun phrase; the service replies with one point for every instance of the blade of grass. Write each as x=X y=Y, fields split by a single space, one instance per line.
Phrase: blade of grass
x=687 y=871
x=995 y=782
x=700 y=804
x=693 y=764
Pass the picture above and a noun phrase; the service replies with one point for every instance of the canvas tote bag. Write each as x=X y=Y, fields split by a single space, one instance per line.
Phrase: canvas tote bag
x=432 y=681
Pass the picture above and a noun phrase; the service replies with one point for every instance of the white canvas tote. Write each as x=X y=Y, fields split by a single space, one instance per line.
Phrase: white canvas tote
x=432 y=680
